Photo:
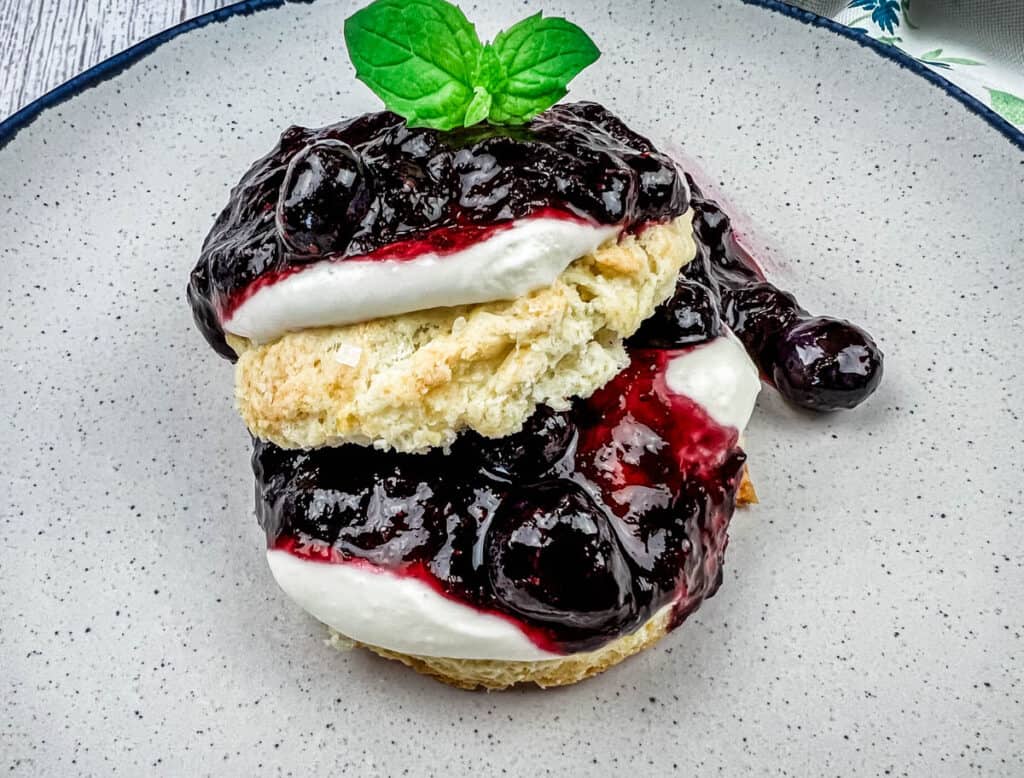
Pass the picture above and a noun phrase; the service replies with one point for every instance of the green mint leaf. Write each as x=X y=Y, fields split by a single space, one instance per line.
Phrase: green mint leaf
x=419 y=57
x=424 y=60
x=489 y=73
x=507 y=109
x=539 y=57
x=479 y=107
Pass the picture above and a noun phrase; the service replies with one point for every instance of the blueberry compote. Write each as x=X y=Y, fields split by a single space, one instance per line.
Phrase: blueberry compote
x=373 y=187
x=580 y=527
x=817 y=362
x=587 y=522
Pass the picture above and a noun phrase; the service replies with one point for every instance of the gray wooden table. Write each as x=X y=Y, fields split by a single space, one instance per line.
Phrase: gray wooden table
x=45 y=42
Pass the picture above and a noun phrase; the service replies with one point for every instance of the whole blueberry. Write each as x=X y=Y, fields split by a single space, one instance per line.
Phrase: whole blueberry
x=826 y=364
x=323 y=198
x=661 y=189
x=690 y=316
x=534 y=450
x=551 y=557
x=402 y=510
x=756 y=312
x=658 y=532
x=710 y=224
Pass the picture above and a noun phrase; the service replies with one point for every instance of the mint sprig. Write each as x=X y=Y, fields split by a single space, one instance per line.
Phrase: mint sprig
x=424 y=60
x=538 y=58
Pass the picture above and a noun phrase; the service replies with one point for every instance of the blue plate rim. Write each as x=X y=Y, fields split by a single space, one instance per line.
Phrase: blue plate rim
x=116 y=64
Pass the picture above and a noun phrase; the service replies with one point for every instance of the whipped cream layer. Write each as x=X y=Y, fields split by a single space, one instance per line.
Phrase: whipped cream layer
x=396 y=612
x=528 y=255
x=400 y=613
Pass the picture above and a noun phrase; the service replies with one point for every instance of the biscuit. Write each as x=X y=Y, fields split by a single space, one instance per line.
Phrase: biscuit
x=495 y=674
x=415 y=381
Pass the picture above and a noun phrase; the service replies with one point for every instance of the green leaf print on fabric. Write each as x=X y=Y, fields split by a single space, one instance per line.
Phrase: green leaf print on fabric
x=1010 y=107
x=935 y=58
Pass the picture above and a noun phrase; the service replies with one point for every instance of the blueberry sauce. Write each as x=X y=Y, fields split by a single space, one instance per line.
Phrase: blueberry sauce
x=817 y=362
x=350 y=189
x=587 y=522
x=579 y=528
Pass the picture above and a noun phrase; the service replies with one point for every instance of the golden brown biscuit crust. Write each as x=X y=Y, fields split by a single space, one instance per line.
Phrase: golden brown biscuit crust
x=494 y=674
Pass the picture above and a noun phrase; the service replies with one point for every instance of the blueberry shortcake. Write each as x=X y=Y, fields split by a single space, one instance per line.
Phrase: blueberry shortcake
x=496 y=356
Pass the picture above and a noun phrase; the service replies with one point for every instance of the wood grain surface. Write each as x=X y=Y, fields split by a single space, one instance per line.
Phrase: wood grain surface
x=45 y=42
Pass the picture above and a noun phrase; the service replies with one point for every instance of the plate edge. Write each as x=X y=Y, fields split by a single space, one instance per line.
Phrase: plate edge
x=116 y=64
x=1012 y=133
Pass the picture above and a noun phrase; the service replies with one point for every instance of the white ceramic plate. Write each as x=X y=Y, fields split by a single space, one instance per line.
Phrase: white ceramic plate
x=870 y=621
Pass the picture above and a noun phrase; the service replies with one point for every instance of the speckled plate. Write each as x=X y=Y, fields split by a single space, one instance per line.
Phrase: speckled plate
x=870 y=621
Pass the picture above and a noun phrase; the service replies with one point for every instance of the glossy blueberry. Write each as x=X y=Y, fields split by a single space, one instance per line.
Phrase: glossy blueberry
x=826 y=364
x=531 y=452
x=413 y=177
x=552 y=557
x=690 y=316
x=659 y=180
x=710 y=224
x=324 y=196
x=756 y=312
x=655 y=533
x=304 y=499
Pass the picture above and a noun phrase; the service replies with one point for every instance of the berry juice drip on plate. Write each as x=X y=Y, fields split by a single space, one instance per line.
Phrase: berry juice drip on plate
x=817 y=362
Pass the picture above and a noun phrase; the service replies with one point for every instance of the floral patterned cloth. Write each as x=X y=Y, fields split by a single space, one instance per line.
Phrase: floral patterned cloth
x=976 y=44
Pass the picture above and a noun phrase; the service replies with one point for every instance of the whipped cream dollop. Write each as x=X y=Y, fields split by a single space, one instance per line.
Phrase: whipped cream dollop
x=511 y=263
x=720 y=377
x=404 y=614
